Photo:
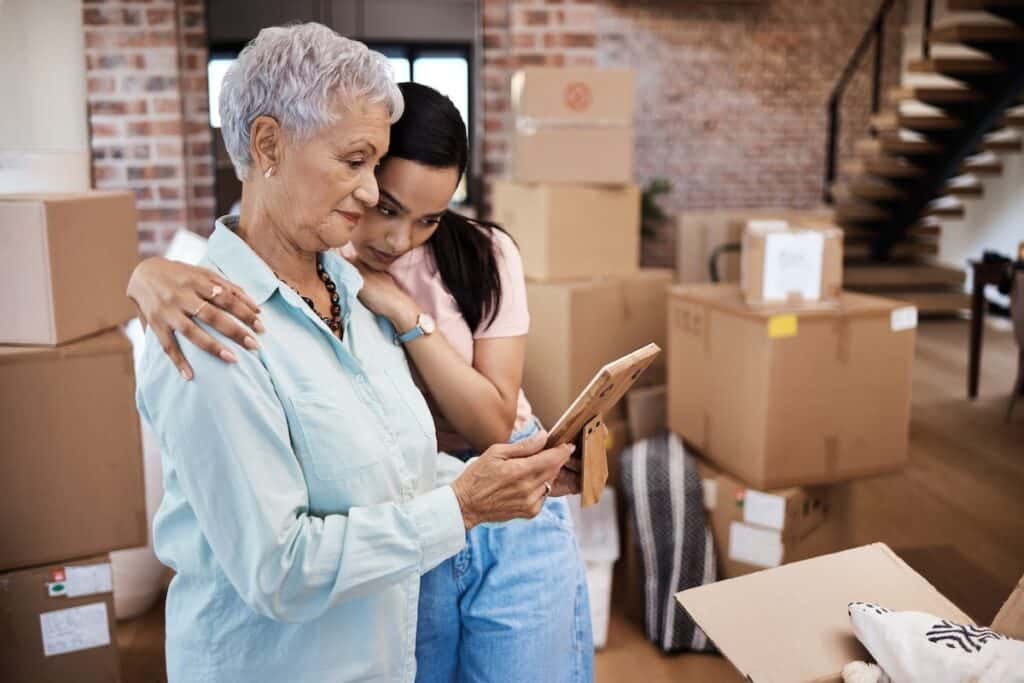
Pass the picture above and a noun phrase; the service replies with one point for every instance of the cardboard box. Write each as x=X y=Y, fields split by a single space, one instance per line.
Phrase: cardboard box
x=645 y=410
x=58 y=624
x=803 y=606
x=71 y=481
x=783 y=265
x=699 y=233
x=579 y=326
x=791 y=399
x=65 y=260
x=755 y=530
x=571 y=231
x=572 y=125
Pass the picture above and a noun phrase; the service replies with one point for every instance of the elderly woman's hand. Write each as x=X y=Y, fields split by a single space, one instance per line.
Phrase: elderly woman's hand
x=168 y=294
x=509 y=481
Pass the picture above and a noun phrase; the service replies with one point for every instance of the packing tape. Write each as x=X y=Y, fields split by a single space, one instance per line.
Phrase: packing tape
x=526 y=125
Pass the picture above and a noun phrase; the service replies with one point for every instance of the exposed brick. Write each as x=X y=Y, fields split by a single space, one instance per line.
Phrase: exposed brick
x=536 y=17
x=159 y=17
x=100 y=85
x=155 y=47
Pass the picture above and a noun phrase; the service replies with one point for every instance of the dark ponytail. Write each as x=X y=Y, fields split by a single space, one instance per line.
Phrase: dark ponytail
x=431 y=132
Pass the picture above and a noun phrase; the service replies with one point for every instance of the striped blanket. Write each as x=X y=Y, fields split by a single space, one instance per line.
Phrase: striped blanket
x=664 y=497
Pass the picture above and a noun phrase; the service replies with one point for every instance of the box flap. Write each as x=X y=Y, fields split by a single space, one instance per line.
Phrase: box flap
x=1010 y=619
x=790 y=624
x=106 y=342
x=55 y=197
x=728 y=298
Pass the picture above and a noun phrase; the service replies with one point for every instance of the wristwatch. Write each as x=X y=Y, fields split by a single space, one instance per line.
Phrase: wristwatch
x=424 y=326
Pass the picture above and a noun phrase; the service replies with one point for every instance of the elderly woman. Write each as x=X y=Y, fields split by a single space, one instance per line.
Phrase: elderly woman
x=300 y=507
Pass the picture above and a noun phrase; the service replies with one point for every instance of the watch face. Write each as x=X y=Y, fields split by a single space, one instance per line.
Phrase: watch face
x=426 y=323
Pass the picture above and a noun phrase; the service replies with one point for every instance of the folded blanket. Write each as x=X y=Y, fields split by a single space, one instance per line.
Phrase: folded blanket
x=664 y=496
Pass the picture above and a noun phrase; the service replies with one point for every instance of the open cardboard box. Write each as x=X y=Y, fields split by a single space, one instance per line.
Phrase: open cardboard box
x=790 y=624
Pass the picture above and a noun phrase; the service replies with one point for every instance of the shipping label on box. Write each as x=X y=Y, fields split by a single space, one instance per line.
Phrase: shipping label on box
x=56 y=634
x=790 y=265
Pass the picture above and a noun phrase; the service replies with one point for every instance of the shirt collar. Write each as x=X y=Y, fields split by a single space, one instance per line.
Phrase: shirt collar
x=245 y=268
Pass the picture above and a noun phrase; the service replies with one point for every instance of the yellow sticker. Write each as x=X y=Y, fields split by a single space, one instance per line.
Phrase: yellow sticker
x=781 y=326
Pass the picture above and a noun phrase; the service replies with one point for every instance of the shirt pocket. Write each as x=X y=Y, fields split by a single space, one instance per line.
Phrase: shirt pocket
x=412 y=400
x=329 y=438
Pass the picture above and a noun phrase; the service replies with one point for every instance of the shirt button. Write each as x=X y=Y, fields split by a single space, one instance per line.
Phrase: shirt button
x=361 y=379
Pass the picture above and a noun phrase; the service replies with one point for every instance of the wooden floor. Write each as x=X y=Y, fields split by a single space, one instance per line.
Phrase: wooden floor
x=956 y=513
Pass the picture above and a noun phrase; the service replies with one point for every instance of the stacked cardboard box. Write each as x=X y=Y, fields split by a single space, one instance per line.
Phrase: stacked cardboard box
x=785 y=398
x=71 y=479
x=571 y=206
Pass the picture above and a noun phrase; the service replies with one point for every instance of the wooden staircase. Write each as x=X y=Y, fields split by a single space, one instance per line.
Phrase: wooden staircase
x=929 y=151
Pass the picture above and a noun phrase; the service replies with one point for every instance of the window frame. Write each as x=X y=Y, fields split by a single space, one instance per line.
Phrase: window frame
x=411 y=51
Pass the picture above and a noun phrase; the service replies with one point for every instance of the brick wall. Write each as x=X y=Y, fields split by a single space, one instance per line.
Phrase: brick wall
x=146 y=84
x=731 y=96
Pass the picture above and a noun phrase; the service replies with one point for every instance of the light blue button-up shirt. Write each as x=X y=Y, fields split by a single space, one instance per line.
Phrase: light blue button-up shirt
x=301 y=504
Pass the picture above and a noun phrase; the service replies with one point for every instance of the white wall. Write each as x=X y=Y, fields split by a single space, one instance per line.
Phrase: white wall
x=996 y=220
x=44 y=137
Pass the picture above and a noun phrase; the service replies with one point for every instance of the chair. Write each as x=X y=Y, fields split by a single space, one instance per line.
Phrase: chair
x=1017 y=314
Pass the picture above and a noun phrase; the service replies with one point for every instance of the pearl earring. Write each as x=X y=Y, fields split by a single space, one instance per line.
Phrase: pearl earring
x=269 y=172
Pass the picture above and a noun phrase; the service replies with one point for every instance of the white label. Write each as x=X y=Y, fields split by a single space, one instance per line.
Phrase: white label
x=710 y=493
x=903 y=319
x=74 y=629
x=753 y=545
x=764 y=509
x=792 y=265
x=88 y=579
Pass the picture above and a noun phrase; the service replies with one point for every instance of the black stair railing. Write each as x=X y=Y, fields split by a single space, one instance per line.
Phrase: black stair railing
x=873 y=36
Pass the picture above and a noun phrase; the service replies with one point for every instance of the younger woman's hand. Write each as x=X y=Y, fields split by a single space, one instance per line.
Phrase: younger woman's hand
x=384 y=296
x=168 y=294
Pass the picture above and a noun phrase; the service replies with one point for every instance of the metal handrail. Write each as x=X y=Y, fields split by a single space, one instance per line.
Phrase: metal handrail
x=875 y=34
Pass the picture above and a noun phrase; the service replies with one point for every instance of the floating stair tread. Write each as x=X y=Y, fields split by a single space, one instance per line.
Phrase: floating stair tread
x=985 y=163
x=892 y=121
x=935 y=93
x=977 y=33
x=866 y=187
x=965 y=186
x=918 y=231
x=889 y=275
x=885 y=166
x=1006 y=140
x=860 y=211
x=947 y=207
x=956 y=66
x=902 y=250
x=982 y=5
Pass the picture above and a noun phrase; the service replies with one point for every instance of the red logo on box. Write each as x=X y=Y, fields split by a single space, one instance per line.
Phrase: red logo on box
x=57 y=575
x=578 y=96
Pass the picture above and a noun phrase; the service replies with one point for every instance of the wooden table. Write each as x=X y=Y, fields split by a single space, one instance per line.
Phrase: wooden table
x=983 y=273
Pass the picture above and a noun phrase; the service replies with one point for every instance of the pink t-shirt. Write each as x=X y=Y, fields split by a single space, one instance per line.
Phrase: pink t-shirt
x=416 y=272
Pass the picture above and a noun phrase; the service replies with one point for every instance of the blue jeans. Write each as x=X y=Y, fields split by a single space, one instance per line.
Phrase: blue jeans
x=510 y=607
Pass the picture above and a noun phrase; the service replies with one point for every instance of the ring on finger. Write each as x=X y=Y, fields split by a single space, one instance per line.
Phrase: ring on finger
x=547 y=488
x=201 y=307
x=216 y=291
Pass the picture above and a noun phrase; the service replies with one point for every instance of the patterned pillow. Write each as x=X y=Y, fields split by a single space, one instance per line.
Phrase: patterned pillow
x=914 y=646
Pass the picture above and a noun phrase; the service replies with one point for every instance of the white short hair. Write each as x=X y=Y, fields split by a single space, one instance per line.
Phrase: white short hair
x=297 y=74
